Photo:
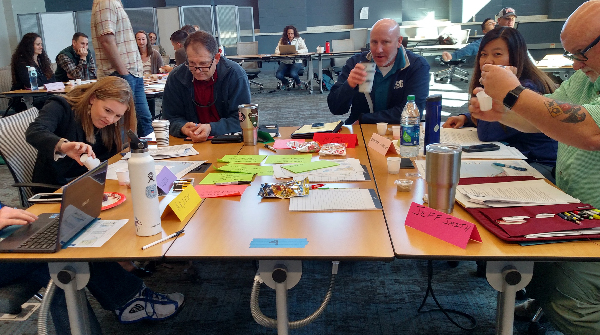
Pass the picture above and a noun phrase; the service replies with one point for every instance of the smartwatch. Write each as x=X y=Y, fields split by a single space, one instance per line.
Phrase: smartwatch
x=511 y=97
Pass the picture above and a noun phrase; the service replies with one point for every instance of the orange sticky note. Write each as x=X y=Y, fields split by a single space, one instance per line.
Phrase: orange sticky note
x=215 y=191
x=351 y=140
x=184 y=203
x=441 y=225
x=381 y=144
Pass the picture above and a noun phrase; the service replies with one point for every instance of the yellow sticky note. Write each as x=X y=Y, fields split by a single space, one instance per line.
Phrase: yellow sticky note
x=185 y=202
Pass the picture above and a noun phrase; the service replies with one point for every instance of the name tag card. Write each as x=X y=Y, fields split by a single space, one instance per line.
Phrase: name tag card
x=381 y=144
x=212 y=191
x=351 y=140
x=57 y=86
x=165 y=179
x=184 y=203
x=441 y=225
x=283 y=144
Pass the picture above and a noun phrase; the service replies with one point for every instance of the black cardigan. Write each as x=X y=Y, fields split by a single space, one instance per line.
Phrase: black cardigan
x=55 y=121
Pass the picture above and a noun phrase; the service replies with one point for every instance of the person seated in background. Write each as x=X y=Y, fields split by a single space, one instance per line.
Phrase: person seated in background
x=472 y=48
x=153 y=41
x=505 y=46
x=196 y=27
x=75 y=61
x=89 y=119
x=115 y=289
x=188 y=28
x=150 y=58
x=201 y=99
x=507 y=17
x=290 y=67
x=399 y=73
x=30 y=53
x=177 y=41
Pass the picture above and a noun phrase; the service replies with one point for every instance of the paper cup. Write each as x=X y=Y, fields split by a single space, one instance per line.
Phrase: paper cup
x=161 y=131
x=367 y=85
x=382 y=128
x=78 y=81
x=89 y=162
x=485 y=101
x=393 y=164
x=71 y=82
x=396 y=132
x=123 y=177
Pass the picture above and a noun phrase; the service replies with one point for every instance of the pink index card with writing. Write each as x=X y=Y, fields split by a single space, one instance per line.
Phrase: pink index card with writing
x=215 y=191
x=381 y=144
x=283 y=144
x=441 y=225
x=165 y=179
x=351 y=140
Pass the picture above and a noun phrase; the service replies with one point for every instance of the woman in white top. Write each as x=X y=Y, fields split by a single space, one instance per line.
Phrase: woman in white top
x=290 y=68
x=150 y=58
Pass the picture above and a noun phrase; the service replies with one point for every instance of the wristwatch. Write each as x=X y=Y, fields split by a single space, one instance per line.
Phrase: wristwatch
x=511 y=97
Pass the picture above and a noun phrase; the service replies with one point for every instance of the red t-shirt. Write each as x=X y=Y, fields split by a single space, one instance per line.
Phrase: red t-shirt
x=204 y=95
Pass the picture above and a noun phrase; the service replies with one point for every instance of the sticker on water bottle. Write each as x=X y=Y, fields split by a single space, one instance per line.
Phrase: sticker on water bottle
x=151 y=191
x=410 y=135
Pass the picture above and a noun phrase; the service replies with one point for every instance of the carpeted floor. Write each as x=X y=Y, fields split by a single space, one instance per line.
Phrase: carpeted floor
x=368 y=298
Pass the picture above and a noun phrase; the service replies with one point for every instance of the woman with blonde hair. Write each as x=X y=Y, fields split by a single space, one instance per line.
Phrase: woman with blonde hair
x=90 y=119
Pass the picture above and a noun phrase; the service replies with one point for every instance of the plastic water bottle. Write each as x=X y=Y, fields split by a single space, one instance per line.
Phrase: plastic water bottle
x=144 y=192
x=32 y=78
x=409 y=133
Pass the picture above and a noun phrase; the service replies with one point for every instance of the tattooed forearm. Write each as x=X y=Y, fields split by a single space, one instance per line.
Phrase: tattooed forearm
x=574 y=113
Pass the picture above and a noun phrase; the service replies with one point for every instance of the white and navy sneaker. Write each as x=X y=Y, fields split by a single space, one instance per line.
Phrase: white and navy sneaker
x=151 y=306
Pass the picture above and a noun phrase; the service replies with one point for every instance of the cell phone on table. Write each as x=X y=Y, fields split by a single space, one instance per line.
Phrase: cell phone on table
x=46 y=197
x=318 y=125
x=481 y=147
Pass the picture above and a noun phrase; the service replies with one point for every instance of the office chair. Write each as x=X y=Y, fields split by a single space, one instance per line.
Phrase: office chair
x=19 y=155
x=252 y=68
x=292 y=83
x=338 y=46
x=14 y=295
x=454 y=70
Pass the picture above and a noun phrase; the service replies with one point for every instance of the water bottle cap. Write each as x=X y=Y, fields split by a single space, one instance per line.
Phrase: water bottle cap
x=411 y=98
x=136 y=145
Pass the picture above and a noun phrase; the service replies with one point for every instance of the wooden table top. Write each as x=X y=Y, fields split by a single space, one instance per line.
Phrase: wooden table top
x=410 y=243
x=224 y=227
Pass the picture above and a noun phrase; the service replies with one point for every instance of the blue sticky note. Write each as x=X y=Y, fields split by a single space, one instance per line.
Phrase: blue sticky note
x=165 y=179
x=278 y=243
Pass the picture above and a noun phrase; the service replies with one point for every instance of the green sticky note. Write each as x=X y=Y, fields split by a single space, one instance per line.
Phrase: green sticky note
x=299 y=168
x=288 y=159
x=242 y=168
x=225 y=177
x=248 y=159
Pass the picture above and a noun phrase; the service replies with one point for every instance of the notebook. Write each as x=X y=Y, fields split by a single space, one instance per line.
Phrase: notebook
x=80 y=206
x=287 y=49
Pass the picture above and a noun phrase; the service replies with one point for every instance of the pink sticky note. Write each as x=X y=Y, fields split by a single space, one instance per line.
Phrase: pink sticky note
x=381 y=144
x=214 y=191
x=165 y=179
x=282 y=144
x=441 y=225
x=351 y=140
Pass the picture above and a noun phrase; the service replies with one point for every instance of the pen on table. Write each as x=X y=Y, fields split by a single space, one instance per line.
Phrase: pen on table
x=162 y=240
x=233 y=183
x=270 y=148
x=518 y=168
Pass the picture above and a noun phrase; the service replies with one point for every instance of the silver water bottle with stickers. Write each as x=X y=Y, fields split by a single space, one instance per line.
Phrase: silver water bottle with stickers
x=144 y=192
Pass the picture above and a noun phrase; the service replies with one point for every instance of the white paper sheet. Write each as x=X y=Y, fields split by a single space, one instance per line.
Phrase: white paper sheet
x=349 y=199
x=98 y=233
x=348 y=170
x=179 y=168
x=485 y=168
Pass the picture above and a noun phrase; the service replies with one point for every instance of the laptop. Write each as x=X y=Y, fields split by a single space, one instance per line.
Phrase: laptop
x=80 y=206
x=287 y=49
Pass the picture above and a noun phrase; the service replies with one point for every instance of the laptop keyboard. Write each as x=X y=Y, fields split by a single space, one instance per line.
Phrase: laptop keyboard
x=44 y=239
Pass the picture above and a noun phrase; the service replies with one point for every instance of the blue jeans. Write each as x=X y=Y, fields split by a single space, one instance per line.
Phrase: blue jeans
x=144 y=118
x=110 y=284
x=289 y=70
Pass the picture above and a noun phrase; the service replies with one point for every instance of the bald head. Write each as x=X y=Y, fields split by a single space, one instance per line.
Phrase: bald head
x=385 y=41
x=579 y=31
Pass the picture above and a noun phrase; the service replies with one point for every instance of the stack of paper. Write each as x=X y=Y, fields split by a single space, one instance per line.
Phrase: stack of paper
x=179 y=168
x=173 y=151
x=349 y=199
x=347 y=170
x=468 y=136
x=486 y=168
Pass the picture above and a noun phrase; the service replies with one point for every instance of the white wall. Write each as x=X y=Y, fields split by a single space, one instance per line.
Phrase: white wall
x=10 y=30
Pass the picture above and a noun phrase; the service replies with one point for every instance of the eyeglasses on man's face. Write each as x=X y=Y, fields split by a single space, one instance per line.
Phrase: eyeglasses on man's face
x=579 y=55
x=203 y=67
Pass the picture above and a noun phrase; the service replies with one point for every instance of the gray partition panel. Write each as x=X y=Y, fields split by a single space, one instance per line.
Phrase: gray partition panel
x=168 y=22
x=228 y=30
x=58 y=29
x=201 y=16
x=83 y=21
x=246 y=21
x=142 y=19
x=28 y=23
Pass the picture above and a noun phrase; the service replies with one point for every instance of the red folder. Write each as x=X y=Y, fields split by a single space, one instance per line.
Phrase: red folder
x=488 y=217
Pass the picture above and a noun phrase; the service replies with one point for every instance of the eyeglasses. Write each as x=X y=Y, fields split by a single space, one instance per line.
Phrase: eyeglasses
x=203 y=68
x=201 y=105
x=580 y=55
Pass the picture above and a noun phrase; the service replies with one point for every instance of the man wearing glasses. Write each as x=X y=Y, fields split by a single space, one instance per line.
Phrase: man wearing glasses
x=201 y=98
x=568 y=292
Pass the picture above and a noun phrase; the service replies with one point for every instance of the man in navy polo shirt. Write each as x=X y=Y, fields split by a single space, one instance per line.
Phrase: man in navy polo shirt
x=399 y=73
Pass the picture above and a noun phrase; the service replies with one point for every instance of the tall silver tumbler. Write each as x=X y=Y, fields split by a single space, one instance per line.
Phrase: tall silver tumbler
x=442 y=173
x=248 y=114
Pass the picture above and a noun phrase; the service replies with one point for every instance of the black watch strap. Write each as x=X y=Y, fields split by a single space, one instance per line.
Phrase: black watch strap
x=511 y=97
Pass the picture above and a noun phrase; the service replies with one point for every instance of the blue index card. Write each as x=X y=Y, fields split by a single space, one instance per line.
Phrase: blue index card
x=278 y=243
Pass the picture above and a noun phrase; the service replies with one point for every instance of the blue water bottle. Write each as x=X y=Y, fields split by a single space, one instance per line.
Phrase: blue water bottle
x=433 y=115
x=32 y=78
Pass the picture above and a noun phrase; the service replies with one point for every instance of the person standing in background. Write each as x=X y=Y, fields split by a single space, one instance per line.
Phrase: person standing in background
x=117 y=54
